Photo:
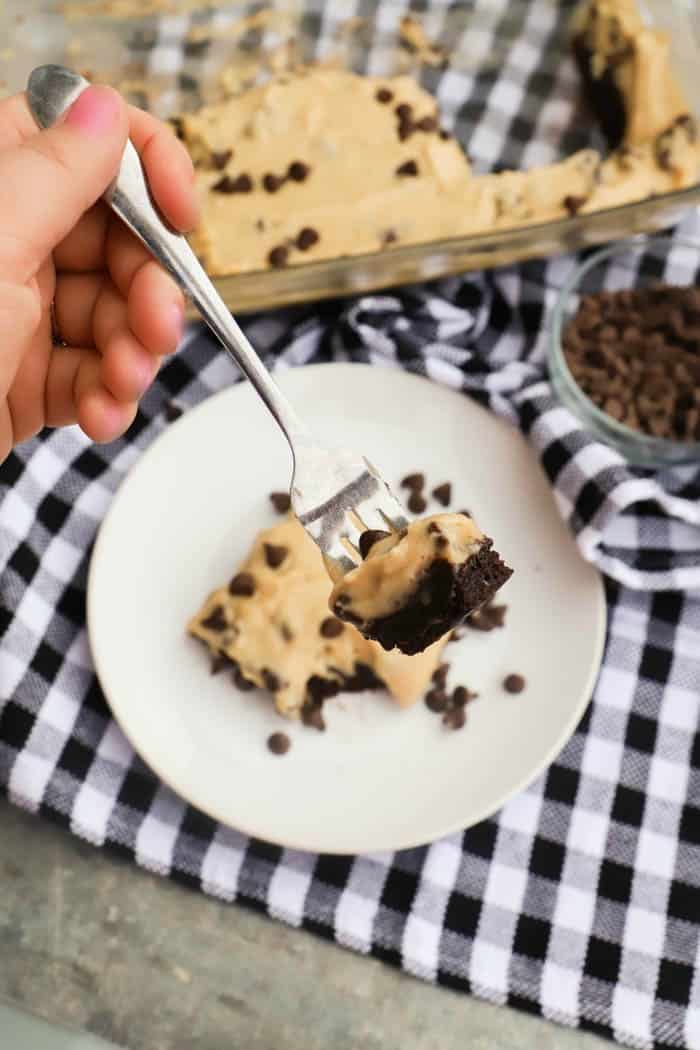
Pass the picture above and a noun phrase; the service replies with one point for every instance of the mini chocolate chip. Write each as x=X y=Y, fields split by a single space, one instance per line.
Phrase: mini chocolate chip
x=444 y=134
x=514 y=683
x=441 y=543
x=369 y=537
x=409 y=167
x=306 y=238
x=404 y=111
x=312 y=715
x=434 y=529
x=413 y=481
x=216 y=621
x=331 y=628
x=443 y=493
x=573 y=204
x=274 y=554
x=405 y=130
x=271 y=183
x=220 y=160
x=298 y=171
x=279 y=743
x=465 y=513
x=270 y=680
x=454 y=718
x=436 y=700
x=383 y=95
x=172 y=411
x=244 y=684
x=280 y=501
x=456 y=635
x=427 y=124
x=461 y=695
x=242 y=585
x=487 y=618
x=218 y=662
x=241 y=184
x=416 y=503
x=439 y=676
x=389 y=237
x=260 y=225
x=278 y=256
x=286 y=632
x=663 y=158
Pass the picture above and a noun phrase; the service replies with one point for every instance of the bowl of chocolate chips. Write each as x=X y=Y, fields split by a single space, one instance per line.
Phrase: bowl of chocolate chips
x=624 y=349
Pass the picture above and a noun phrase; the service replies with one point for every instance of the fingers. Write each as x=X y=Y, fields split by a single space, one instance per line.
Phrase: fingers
x=169 y=169
x=156 y=304
x=49 y=181
x=75 y=393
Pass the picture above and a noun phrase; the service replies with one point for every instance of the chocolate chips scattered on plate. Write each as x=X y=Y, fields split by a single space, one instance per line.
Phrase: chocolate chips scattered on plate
x=279 y=743
x=443 y=493
x=514 y=683
x=414 y=481
x=280 y=501
x=416 y=502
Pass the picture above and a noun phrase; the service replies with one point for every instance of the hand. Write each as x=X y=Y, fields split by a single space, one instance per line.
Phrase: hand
x=113 y=306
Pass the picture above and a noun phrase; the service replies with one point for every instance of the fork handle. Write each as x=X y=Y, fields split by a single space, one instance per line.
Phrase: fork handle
x=50 y=91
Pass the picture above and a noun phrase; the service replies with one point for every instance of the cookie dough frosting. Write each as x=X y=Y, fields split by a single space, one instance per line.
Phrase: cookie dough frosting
x=321 y=163
x=415 y=586
x=272 y=623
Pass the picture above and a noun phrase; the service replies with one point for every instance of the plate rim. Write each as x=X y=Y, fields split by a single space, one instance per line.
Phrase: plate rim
x=189 y=793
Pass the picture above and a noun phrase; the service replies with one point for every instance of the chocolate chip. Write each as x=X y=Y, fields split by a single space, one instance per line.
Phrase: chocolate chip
x=219 y=661
x=443 y=493
x=444 y=134
x=416 y=503
x=244 y=684
x=242 y=585
x=220 y=160
x=368 y=538
x=286 y=632
x=274 y=554
x=271 y=681
x=279 y=743
x=441 y=543
x=487 y=618
x=226 y=184
x=172 y=411
x=260 y=225
x=427 y=124
x=454 y=718
x=405 y=130
x=278 y=256
x=312 y=716
x=514 y=683
x=383 y=95
x=331 y=628
x=573 y=204
x=461 y=696
x=271 y=183
x=389 y=237
x=439 y=676
x=456 y=635
x=280 y=501
x=409 y=167
x=436 y=700
x=413 y=481
x=298 y=171
x=465 y=513
x=404 y=111
x=306 y=238
x=216 y=621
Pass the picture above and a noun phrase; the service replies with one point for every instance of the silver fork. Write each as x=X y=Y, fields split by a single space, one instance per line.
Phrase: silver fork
x=336 y=494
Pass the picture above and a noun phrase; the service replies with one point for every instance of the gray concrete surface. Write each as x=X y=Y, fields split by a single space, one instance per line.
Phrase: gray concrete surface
x=93 y=942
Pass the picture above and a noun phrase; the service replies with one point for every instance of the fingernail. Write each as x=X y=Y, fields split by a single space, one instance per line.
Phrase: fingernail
x=95 y=112
x=178 y=319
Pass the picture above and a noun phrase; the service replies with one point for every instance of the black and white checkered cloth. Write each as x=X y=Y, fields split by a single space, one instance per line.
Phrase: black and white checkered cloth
x=580 y=899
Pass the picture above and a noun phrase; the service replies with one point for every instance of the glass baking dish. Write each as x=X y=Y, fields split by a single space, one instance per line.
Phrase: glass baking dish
x=502 y=74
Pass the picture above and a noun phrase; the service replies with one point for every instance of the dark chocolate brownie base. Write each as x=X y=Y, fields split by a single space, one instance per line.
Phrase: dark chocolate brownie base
x=444 y=597
x=602 y=95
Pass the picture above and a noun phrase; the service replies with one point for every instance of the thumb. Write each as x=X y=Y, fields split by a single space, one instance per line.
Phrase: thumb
x=52 y=178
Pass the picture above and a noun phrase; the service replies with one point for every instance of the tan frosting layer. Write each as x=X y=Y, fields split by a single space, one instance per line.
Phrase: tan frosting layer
x=277 y=629
x=639 y=57
x=391 y=573
x=363 y=184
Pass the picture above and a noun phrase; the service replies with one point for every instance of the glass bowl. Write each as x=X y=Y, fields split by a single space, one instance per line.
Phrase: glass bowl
x=629 y=264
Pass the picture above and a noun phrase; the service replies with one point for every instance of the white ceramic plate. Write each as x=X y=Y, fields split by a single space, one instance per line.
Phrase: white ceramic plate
x=379 y=778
